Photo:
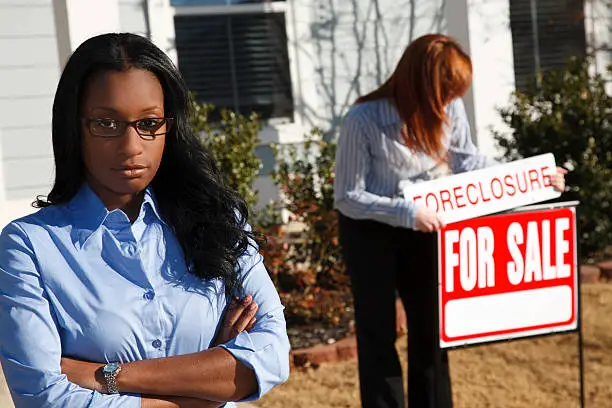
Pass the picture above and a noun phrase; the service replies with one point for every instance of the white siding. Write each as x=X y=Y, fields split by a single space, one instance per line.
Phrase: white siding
x=28 y=175
x=36 y=80
x=25 y=111
x=598 y=22
x=24 y=3
x=31 y=21
x=29 y=70
x=30 y=141
x=23 y=51
x=341 y=49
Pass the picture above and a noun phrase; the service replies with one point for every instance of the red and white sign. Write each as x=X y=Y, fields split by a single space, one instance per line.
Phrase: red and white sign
x=508 y=276
x=487 y=191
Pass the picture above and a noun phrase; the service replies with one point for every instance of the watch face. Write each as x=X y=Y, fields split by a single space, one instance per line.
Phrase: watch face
x=110 y=368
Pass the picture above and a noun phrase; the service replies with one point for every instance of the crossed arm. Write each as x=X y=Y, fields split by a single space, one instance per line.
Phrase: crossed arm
x=205 y=379
x=249 y=364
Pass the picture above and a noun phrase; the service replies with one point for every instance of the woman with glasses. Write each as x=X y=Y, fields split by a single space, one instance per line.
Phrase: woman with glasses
x=411 y=129
x=138 y=282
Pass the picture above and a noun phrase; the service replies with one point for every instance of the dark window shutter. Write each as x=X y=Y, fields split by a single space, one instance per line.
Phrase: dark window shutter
x=237 y=61
x=560 y=30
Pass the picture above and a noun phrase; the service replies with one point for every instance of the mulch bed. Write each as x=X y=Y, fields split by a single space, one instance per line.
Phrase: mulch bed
x=304 y=334
x=329 y=318
x=313 y=334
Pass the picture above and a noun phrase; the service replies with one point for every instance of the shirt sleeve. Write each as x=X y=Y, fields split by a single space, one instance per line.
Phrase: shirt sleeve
x=265 y=349
x=353 y=161
x=463 y=154
x=30 y=346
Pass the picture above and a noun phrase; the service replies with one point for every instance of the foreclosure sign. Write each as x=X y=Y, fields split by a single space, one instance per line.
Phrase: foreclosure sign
x=508 y=276
x=487 y=191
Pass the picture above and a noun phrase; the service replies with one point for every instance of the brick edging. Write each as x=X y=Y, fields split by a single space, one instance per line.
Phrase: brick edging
x=601 y=271
x=342 y=350
x=605 y=268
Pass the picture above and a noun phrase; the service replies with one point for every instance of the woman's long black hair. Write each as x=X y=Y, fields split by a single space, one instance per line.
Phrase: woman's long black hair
x=207 y=217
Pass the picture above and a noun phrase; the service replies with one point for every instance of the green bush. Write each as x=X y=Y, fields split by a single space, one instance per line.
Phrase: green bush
x=306 y=268
x=232 y=142
x=569 y=115
x=306 y=179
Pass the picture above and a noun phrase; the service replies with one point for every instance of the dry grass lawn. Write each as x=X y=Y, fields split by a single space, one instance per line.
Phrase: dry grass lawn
x=531 y=373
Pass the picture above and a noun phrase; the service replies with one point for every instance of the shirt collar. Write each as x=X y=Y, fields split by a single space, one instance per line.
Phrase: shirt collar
x=150 y=201
x=387 y=113
x=89 y=212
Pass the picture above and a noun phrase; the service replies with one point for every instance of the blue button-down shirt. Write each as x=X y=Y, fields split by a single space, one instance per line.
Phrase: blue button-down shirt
x=373 y=163
x=77 y=280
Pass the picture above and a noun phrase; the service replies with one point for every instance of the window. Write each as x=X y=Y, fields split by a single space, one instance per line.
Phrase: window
x=233 y=54
x=545 y=33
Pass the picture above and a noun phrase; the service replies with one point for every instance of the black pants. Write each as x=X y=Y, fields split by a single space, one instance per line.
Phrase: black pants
x=382 y=260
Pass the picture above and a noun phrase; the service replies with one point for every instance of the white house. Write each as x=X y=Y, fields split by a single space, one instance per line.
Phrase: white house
x=300 y=62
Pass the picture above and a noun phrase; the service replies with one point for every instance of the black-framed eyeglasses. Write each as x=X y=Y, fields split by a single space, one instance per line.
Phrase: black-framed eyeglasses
x=148 y=128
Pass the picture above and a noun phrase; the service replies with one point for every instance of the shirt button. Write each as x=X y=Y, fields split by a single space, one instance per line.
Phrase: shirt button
x=149 y=295
x=157 y=343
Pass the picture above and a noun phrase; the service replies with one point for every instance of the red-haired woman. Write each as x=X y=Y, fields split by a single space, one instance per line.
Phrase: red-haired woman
x=408 y=130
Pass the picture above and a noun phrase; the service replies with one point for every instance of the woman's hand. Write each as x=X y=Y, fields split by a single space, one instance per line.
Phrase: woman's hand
x=240 y=316
x=558 y=180
x=425 y=220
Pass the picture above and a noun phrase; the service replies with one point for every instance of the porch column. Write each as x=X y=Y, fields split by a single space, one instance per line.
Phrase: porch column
x=483 y=28
x=458 y=28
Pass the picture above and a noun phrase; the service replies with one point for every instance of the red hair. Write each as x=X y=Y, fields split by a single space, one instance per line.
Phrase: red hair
x=432 y=72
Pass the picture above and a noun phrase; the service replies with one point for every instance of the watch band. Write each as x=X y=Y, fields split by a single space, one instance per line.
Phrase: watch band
x=111 y=371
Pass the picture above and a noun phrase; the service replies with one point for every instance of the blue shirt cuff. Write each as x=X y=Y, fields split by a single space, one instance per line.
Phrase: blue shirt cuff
x=269 y=362
x=127 y=400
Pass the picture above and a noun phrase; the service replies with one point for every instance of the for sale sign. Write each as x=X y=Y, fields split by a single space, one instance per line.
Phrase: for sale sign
x=487 y=191
x=508 y=276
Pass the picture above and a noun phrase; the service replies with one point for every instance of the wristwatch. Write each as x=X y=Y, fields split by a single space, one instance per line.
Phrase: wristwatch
x=110 y=371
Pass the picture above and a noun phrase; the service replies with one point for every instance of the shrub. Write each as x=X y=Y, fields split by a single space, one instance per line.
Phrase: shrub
x=306 y=267
x=232 y=142
x=308 y=271
x=569 y=115
x=268 y=224
x=305 y=176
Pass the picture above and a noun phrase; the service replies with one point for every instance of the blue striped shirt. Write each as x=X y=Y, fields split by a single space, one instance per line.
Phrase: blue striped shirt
x=372 y=161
